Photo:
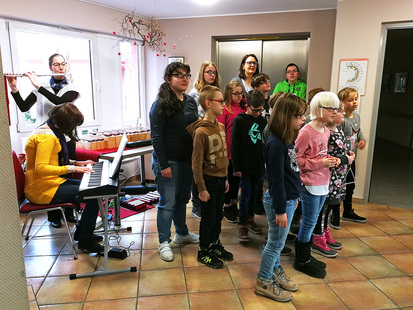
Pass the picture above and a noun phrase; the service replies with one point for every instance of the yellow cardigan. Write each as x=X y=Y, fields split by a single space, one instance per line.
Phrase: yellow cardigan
x=42 y=168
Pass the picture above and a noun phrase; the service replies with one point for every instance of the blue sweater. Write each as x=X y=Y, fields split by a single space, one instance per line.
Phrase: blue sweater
x=170 y=139
x=283 y=173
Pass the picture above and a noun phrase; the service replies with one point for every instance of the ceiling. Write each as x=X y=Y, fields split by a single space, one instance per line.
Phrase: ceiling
x=163 y=9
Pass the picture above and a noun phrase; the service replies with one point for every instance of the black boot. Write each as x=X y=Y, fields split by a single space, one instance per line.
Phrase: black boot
x=304 y=262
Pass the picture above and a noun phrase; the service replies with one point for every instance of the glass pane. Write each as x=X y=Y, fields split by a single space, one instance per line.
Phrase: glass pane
x=34 y=50
x=130 y=82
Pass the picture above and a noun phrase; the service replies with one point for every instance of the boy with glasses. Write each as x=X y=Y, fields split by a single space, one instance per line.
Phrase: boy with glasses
x=248 y=160
x=209 y=166
x=292 y=84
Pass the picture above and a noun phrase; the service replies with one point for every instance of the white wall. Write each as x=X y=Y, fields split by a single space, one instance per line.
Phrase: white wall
x=358 y=35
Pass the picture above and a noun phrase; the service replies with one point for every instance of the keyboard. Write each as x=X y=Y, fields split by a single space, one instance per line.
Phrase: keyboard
x=99 y=182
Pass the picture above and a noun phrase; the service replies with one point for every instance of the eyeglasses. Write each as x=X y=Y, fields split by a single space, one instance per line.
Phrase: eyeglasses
x=265 y=82
x=329 y=109
x=211 y=73
x=181 y=76
x=237 y=94
x=58 y=64
x=291 y=71
x=218 y=100
x=252 y=63
x=256 y=110
x=299 y=115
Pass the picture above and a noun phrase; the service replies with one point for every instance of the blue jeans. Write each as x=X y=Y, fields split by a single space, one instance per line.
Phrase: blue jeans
x=250 y=184
x=312 y=206
x=276 y=237
x=174 y=195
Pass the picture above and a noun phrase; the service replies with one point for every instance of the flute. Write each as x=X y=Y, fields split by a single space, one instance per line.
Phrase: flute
x=20 y=75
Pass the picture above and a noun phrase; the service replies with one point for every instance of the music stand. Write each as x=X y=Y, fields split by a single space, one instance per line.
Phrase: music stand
x=103 y=201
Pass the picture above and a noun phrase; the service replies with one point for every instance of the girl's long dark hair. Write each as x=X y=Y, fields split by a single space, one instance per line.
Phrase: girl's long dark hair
x=170 y=104
x=241 y=71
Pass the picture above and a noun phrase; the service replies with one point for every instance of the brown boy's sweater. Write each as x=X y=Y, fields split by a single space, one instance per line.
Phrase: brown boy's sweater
x=209 y=155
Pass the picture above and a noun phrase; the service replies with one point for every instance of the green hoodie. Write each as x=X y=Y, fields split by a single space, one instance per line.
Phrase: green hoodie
x=299 y=88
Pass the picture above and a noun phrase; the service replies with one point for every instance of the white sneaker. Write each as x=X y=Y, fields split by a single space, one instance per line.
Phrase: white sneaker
x=189 y=238
x=165 y=251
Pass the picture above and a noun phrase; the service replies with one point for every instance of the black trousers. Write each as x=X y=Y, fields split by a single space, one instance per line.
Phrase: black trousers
x=350 y=186
x=233 y=185
x=211 y=211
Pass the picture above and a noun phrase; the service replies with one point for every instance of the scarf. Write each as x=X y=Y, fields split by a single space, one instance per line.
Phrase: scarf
x=64 y=152
x=57 y=85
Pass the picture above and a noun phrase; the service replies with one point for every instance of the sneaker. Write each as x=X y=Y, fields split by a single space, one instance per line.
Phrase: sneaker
x=291 y=238
x=335 y=222
x=353 y=217
x=283 y=280
x=253 y=227
x=330 y=241
x=271 y=289
x=320 y=246
x=286 y=251
x=207 y=258
x=189 y=238
x=165 y=251
x=229 y=215
x=218 y=251
x=243 y=233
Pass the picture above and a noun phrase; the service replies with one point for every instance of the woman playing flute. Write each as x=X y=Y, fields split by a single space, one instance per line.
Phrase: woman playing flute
x=48 y=95
x=58 y=91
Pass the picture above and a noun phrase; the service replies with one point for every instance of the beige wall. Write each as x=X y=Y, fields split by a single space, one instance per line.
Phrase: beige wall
x=198 y=46
x=358 y=35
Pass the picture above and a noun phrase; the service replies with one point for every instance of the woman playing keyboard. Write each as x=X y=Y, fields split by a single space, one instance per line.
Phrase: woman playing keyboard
x=48 y=162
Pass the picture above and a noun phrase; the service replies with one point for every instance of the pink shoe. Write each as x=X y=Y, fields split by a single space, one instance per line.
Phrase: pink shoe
x=330 y=241
x=320 y=246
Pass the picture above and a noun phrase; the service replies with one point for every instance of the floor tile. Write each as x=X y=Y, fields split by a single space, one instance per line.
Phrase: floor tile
x=69 y=306
x=171 y=302
x=361 y=295
x=316 y=296
x=403 y=261
x=244 y=253
x=399 y=290
x=131 y=241
x=373 y=267
x=189 y=257
x=202 y=279
x=374 y=215
x=161 y=282
x=407 y=240
x=343 y=232
x=407 y=222
x=229 y=236
x=297 y=276
x=124 y=304
x=399 y=213
x=250 y=301
x=63 y=290
x=151 y=214
x=393 y=227
x=339 y=269
x=243 y=275
x=130 y=227
x=35 y=283
x=38 y=266
x=150 y=227
x=45 y=246
x=193 y=224
x=152 y=260
x=362 y=230
x=114 y=286
x=65 y=264
x=355 y=247
x=386 y=244
x=30 y=292
x=221 y=300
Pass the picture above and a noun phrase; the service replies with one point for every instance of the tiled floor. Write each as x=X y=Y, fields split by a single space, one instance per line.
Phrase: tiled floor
x=374 y=270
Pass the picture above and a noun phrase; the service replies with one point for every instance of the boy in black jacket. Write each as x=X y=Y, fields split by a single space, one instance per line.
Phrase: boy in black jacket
x=248 y=160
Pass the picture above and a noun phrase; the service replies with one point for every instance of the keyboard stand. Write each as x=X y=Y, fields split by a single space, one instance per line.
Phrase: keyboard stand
x=103 y=207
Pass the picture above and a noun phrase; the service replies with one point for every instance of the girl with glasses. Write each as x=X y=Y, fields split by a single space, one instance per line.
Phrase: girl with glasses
x=314 y=164
x=234 y=105
x=171 y=113
x=247 y=69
